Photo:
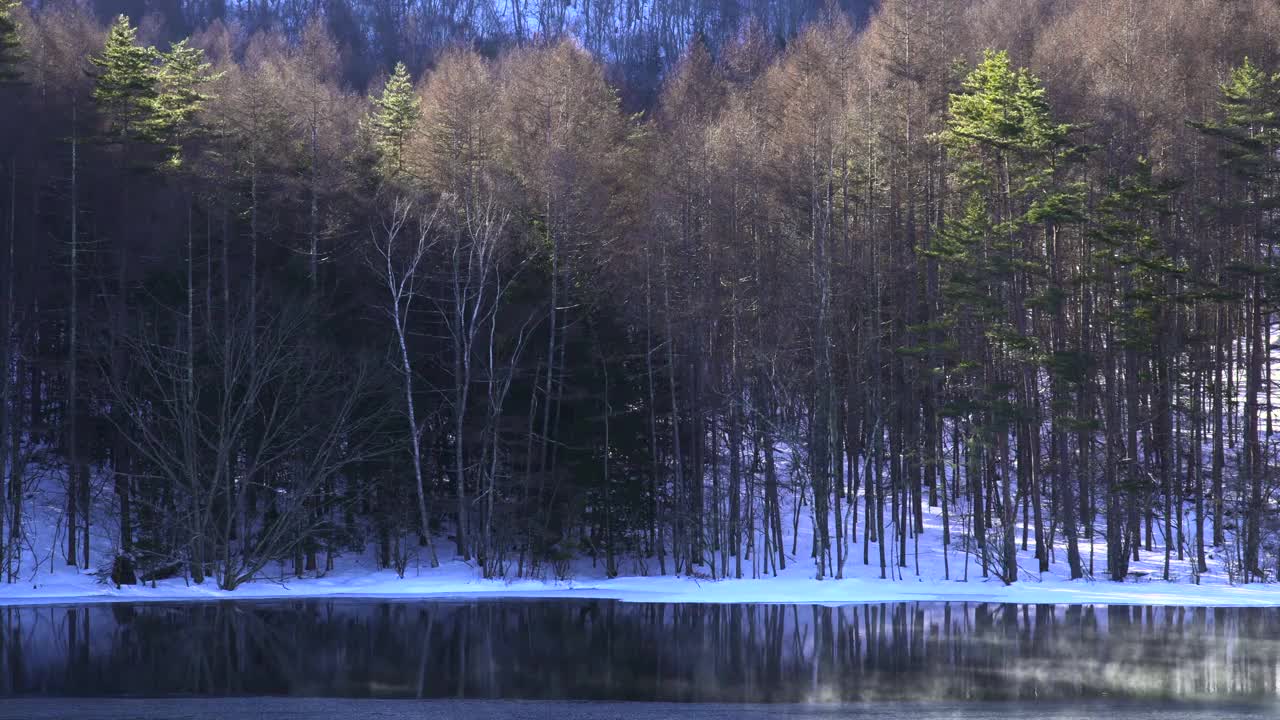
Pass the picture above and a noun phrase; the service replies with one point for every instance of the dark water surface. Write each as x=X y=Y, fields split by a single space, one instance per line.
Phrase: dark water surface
x=343 y=709
x=973 y=654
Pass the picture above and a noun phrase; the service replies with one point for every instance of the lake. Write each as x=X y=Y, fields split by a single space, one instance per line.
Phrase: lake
x=490 y=658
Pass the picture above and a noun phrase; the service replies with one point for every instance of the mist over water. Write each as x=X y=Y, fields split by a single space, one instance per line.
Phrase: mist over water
x=605 y=650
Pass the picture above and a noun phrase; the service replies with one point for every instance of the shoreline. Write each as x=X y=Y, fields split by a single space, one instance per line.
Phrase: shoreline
x=82 y=589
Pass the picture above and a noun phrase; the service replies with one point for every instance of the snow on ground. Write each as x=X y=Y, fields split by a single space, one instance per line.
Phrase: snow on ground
x=930 y=574
x=459 y=580
x=358 y=577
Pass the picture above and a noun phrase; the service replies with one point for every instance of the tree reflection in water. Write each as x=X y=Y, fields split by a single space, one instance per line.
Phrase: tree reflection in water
x=598 y=650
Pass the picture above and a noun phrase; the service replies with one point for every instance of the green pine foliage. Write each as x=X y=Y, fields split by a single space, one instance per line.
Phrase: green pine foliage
x=1249 y=142
x=180 y=79
x=148 y=97
x=1247 y=132
x=1012 y=167
x=1250 y=124
x=1130 y=253
x=11 y=53
x=126 y=87
x=394 y=120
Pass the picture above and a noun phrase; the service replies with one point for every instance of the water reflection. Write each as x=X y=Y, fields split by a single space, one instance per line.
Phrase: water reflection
x=603 y=650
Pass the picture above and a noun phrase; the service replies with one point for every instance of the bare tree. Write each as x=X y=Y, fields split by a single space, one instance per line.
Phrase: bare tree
x=400 y=247
x=238 y=504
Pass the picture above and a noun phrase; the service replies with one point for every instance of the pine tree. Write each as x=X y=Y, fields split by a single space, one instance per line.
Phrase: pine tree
x=11 y=53
x=1249 y=135
x=179 y=82
x=1010 y=156
x=1002 y=141
x=126 y=87
x=393 y=122
x=1250 y=124
x=1131 y=259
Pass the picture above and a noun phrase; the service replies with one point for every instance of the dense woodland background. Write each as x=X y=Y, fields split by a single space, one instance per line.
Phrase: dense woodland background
x=288 y=279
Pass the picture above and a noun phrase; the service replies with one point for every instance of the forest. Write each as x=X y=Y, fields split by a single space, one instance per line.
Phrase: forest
x=287 y=280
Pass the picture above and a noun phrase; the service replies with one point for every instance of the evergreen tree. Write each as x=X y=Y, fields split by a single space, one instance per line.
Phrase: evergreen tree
x=179 y=96
x=1010 y=155
x=1250 y=124
x=1135 y=266
x=1249 y=135
x=1004 y=144
x=394 y=119
x=126 y=86
x=11 y=52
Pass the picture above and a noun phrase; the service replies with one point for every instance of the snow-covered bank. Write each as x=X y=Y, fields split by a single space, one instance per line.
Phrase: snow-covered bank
x=357 y=577
x=932 y=573
x=459 y=580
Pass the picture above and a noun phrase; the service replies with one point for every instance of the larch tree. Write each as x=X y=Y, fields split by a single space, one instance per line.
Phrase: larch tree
x=457 y=150
x=688 y=266
x=561 y=130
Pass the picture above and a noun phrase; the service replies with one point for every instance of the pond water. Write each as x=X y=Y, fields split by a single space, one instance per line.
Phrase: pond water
x=606 y=651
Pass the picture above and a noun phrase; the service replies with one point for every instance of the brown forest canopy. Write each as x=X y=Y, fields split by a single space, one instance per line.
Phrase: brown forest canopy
x=639 y=40
x=287 y=279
